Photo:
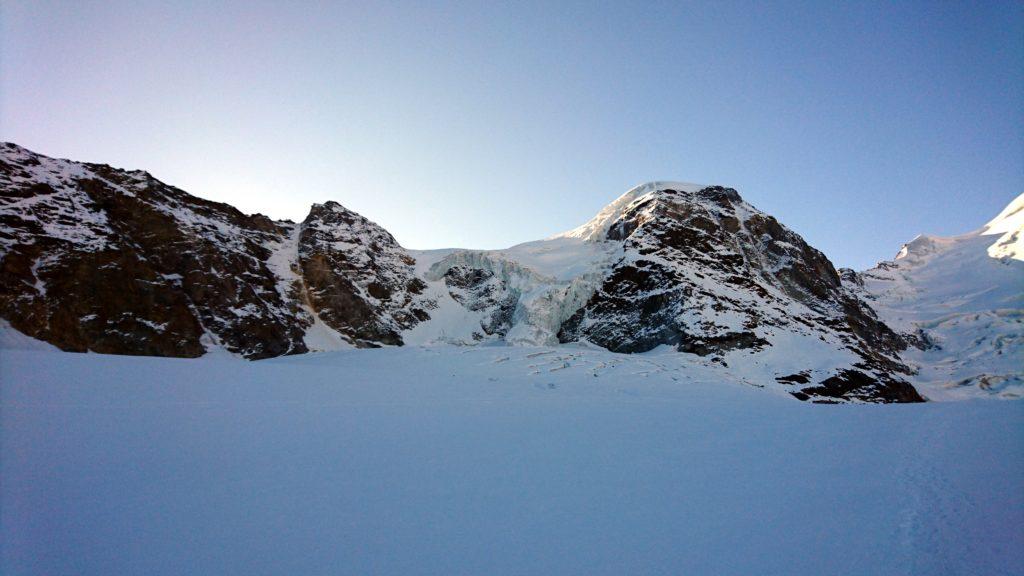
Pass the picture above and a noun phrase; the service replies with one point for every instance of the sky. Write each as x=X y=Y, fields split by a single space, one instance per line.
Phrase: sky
x=486 y=124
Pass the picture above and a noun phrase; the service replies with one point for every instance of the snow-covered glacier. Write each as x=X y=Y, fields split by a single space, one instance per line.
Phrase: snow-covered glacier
x=486 y=460
x=962 y=297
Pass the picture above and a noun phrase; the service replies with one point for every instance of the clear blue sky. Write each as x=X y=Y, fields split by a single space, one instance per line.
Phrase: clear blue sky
x=482 y=124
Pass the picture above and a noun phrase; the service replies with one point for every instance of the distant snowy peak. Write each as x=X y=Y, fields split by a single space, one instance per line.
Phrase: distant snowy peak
x=922 y=246
x=1009 y=224
x=962 y=300
x=596 y=228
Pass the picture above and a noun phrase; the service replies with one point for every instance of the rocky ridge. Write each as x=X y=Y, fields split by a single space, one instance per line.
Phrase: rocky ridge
x=99 y=259
x=106 y=260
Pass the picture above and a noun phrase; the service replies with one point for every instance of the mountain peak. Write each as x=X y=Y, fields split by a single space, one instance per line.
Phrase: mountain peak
x=921 y=246
x=597 y=227
x=330 y=206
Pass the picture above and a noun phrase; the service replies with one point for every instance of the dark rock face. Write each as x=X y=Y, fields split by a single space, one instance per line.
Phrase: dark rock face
x=359 y=280
x=708 y=274
x=850 y=277
x=856 y=385
x=106 y=260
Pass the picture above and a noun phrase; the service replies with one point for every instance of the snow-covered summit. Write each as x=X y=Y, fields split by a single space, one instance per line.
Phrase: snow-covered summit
x=597 y=227
x=1008 y=225
x=920 y=248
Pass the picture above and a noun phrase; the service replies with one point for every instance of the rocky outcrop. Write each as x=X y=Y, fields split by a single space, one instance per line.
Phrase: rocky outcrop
x=359 y=280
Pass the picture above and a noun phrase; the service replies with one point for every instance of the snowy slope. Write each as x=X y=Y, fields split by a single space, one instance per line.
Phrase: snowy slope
x=513 y=460
x=1009 y=224
x=964 y=296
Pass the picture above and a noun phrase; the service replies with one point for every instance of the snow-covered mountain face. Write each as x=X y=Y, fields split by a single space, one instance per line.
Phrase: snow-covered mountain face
x=95 y=258
x=680 y=265
x=962 y=300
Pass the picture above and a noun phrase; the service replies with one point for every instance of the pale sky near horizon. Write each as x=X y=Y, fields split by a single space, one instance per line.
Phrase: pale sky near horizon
x=485 y=124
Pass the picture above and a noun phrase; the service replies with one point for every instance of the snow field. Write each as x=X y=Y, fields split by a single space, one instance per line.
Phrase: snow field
x=487 y=460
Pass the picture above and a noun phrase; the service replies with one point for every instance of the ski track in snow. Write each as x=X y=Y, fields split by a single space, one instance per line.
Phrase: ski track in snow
x=944 y=528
